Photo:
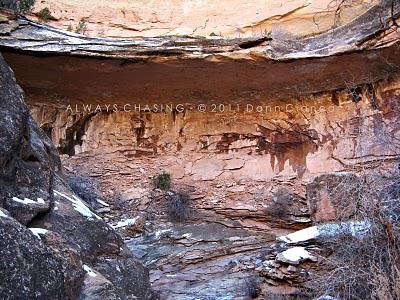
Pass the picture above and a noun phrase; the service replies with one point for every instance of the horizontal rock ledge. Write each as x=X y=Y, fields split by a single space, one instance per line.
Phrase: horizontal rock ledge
x=70 y=80
x=374 y=29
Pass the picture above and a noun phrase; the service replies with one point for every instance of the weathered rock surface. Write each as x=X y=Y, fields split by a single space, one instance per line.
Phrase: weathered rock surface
x=73 y=219
x=29 y=269
x=206 y=18
x=370 y=26
x=128 y=275
x=324 y=101
x=331 y=196
x=207 y=261
x=27 y=156
x=96 y=286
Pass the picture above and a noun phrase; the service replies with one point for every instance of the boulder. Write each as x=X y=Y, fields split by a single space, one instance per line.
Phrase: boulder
x=71 y=263
x=27 y=156
x=128 y=275
x=72 y=218
x=28 y=269
x=96 y=286
x=333 y=196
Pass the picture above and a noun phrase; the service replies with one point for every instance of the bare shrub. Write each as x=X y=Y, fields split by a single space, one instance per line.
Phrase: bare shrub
x=178 y=206
x=81 y=27
x=366 y=265
x=251 y=287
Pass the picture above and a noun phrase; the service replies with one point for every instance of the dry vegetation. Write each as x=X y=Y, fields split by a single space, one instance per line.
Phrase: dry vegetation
x=366 y=266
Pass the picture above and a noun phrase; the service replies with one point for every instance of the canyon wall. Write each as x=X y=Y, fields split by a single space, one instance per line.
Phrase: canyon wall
x=256 y=129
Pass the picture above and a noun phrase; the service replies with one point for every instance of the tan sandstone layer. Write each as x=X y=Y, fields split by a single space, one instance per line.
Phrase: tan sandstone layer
x=204 y=18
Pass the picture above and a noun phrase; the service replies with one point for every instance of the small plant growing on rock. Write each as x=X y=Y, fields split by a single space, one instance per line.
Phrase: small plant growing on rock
x=44 y=14
x=25 y=6
x=162 y=181
x=178 y=206
x=81 y=28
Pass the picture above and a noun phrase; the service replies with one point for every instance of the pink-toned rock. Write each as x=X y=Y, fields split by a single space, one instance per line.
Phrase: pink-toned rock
x=207 y=168
x=134 y=193
x=234 y=164
x=176 y=171
x=330 y=196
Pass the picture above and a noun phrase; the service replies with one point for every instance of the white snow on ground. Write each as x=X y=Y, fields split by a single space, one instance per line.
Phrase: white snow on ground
x=89 y=271
x=125 y=223
x=103 y=203
x=300 y=236
x=186 y=235
x=355 y=228
x=38 y=231
x=79 y=206
x=158 y=233
x=28 y=201
x=3 y=215
x=295 y=255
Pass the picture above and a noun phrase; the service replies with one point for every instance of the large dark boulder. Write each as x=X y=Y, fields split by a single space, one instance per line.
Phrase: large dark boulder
x=73 y=219
x=128 y=275
x=27 y=156
x=28 y=269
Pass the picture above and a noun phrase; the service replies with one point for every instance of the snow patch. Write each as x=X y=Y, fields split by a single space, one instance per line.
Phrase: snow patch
x=158 y=233
x=38 y=231
x=125 y=223
x=355 y=228
x=28 y=201
x=3 y=215
x=300 y=236
x=89 y=271
x=102 y=203
x=295 y=255
x=79 y=206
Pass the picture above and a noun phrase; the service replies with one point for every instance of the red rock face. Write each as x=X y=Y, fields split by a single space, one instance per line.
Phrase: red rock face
x=257 y=138
x=258 y=135
x=248 y=169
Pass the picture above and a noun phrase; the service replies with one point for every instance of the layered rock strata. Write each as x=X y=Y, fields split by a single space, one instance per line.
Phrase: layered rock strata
x=258 y=134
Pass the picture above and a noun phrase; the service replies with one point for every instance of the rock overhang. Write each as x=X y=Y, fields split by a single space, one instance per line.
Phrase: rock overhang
x=63 y=80
x=59 y=67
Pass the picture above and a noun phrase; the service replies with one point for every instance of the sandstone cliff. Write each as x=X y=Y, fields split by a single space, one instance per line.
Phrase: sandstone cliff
x=265 y=113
